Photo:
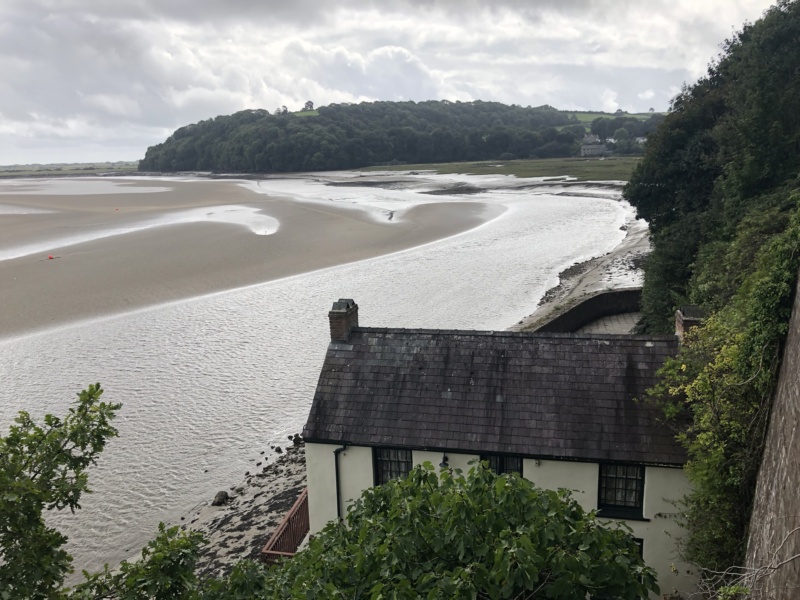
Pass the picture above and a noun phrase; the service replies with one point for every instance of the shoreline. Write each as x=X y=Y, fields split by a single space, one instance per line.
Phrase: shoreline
x=239 y=528
x=583 y=279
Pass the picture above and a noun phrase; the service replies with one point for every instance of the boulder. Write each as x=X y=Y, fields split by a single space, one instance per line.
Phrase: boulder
x=221 y=498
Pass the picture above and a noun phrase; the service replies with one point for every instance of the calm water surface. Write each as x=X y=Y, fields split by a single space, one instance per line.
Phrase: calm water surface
x=209 y=382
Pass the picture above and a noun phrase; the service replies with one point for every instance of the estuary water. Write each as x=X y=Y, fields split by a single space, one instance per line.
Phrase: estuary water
x=209 y=382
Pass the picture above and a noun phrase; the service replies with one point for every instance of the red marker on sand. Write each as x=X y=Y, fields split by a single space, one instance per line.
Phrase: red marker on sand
x=50 y=257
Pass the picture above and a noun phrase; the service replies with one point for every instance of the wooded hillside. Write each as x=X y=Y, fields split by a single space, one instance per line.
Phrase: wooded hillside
x=347 y=136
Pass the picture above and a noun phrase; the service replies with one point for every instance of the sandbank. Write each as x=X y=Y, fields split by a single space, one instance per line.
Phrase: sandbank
x=150 y=266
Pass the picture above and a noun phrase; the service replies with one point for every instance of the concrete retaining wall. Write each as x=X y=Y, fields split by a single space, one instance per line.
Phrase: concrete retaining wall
x=601 y=304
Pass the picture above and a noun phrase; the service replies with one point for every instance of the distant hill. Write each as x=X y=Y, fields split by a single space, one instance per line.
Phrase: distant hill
x=346 y=136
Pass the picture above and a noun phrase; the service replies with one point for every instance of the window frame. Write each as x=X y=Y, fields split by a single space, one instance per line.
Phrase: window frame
x=377 y=460
x=502 y=458
x=621 y=511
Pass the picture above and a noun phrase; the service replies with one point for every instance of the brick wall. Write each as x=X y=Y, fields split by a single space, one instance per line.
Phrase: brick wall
x=776 y=511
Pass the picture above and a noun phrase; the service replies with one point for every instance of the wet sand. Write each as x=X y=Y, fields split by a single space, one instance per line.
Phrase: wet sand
x=125 y=272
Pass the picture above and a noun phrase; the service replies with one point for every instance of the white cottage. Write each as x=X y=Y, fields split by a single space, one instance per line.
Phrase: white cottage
x=560 y=409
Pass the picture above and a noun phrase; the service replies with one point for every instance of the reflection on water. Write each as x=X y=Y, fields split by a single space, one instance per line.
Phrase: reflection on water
x=208 y=383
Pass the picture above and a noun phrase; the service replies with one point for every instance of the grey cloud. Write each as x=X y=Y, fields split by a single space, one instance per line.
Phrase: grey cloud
x=387 y=73
x=84 y=76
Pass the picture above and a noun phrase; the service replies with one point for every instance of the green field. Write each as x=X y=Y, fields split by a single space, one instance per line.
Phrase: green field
x=584 y=169
x=68 y=170
x=588 y=117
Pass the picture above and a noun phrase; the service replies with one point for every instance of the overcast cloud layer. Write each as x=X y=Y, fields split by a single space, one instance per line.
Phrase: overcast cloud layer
x=91 y=80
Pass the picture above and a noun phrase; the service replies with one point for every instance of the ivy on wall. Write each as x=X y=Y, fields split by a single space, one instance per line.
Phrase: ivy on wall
x=717 y=392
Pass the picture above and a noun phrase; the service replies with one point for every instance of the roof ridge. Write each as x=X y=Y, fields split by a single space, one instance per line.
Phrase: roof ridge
x=506 y=333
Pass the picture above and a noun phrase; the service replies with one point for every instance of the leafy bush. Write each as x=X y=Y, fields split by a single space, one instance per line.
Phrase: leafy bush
x=718 y=391
x=44 y=467
x=455 y=536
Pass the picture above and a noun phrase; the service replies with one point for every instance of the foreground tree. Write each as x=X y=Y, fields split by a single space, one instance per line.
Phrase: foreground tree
x=454 y=536
x=44 y=467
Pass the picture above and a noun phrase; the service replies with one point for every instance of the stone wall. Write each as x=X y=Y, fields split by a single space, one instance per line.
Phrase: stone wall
x=776 y=511
x=601 y=304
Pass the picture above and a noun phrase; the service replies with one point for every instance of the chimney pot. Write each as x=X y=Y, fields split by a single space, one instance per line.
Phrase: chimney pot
x=343 y=317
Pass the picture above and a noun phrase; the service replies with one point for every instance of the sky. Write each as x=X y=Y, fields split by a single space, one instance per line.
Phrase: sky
x=102 y=80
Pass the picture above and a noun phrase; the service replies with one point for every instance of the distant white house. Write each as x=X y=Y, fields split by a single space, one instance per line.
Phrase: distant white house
x=560 y=409
x=593 y=150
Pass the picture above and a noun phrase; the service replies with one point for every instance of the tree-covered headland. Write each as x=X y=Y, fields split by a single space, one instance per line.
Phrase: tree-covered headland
x=349 y=136
x=720 y=188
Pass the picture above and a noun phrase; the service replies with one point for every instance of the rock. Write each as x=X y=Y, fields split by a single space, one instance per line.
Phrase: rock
x=221 y=498
x=278 y=449
x=297 y=440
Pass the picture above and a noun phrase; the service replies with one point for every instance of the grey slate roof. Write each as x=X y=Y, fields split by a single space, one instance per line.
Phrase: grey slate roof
x=547 y=395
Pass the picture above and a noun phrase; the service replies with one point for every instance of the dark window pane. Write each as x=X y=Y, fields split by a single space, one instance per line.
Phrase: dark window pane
x=621 y=487
x=513 y=464
x=391 y=463
x=501 y=464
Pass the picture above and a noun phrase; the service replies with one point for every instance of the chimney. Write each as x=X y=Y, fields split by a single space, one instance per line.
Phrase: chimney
x=343 y=317
x=687 y=317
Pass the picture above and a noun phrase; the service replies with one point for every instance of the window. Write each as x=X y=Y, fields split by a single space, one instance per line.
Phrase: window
x=621 y=491
x=390 y=463
x=503 y=464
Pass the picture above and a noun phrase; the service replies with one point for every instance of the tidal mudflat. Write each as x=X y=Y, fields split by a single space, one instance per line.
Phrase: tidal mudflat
x=211 y=335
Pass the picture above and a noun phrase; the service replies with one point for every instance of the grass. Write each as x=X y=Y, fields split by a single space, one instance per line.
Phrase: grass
x=584 y=169
x=64 y=169
x=588 y=117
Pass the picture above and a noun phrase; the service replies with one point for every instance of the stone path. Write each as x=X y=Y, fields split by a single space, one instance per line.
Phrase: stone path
x=616 y=324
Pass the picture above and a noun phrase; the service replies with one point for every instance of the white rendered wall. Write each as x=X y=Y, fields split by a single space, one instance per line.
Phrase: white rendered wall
x=581 y=479
x=321 y=481
x=355 y=474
